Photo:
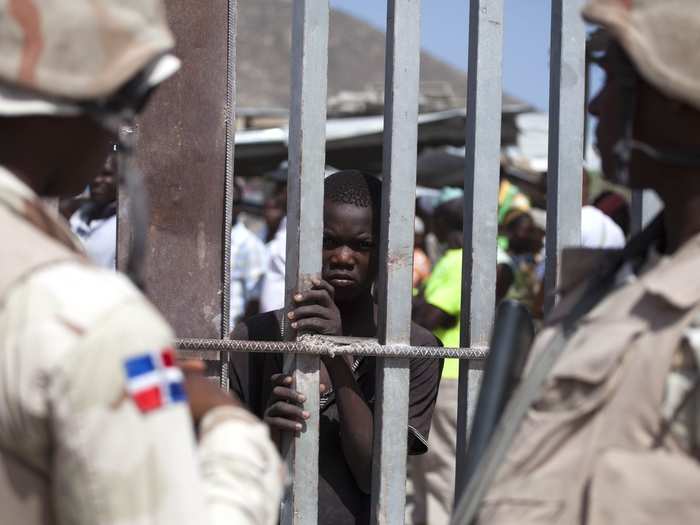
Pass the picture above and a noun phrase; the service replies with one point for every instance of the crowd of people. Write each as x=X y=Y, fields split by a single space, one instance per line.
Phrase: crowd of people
x=100 y=422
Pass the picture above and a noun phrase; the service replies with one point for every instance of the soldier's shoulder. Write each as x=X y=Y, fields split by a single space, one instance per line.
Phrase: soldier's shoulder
x=59 y=315
x=80 y=293
x=25 y=249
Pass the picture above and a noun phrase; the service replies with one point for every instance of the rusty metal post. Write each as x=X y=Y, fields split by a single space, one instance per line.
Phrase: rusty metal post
x=307 y=128
x=182 y=133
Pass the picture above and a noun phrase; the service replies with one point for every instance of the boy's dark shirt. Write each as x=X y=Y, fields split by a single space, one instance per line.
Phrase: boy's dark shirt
x=340 y=500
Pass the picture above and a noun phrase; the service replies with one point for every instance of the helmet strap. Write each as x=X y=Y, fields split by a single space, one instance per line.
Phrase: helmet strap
x=628 y=106
x=682 y=159
x=624 y=147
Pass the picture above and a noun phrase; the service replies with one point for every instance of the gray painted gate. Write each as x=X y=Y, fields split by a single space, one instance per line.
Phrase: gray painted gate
x=189 y=237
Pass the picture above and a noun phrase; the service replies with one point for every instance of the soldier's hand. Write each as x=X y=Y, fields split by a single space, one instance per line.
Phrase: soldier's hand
x=202 y=393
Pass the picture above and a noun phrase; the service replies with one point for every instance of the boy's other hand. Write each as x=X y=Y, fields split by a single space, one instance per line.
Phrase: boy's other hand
x=284 y=410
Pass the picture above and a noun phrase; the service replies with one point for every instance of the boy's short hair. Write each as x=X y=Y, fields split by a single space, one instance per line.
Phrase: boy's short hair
x=356 y=188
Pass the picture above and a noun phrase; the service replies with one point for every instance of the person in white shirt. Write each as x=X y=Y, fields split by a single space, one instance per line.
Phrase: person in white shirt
x=600 y=231
x=272 y=294
x=249 y=262
x=95 y=222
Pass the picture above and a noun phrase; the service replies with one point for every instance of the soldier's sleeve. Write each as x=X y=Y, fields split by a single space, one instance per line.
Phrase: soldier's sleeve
x=243 y=482
x=124 y=446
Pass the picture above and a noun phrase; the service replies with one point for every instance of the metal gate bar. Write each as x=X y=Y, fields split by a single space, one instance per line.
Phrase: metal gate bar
x=481 y=178
x=396 y=258
x=307 y=127
x=567 y=91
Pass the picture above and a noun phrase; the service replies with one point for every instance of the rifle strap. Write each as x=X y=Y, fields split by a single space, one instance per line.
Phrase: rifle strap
x=530 y=388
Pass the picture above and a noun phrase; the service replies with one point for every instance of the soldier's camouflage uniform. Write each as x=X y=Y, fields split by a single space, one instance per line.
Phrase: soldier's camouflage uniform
x=74 y=446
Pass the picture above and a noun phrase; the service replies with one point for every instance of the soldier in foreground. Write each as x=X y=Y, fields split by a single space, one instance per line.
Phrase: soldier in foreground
x=94 y=419
x=604 y=427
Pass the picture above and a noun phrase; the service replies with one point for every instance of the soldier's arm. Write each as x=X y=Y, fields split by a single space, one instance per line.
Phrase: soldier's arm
x=240 y=465
x=241 y=468
x=124 y=455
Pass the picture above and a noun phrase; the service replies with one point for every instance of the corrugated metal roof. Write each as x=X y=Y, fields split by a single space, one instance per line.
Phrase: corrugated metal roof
x=340 y=128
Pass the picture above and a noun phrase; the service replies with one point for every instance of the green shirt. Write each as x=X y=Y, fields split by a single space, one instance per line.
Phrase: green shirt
x=443 y=290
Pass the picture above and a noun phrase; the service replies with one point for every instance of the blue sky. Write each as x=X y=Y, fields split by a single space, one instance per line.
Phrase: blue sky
x=444 y=29
x=445 y=33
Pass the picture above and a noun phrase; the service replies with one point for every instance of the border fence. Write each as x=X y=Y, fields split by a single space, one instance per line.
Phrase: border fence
x=304 y=215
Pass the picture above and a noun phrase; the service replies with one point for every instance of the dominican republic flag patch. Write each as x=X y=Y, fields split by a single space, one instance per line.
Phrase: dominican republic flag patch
x=153 y=381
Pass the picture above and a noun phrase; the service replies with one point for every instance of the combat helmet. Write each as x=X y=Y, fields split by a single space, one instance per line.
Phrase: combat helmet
x=68 y=57
x=660 y=39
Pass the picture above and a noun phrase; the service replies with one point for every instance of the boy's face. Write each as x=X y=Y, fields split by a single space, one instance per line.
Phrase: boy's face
x=349 y=249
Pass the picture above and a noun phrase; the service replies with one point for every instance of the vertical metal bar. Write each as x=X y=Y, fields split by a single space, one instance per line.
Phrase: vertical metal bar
x=307 y=128
x=645 y=206
x=185 y=234
x=482 y=166
x=567 y=86
x=228 y=185
x=396 y=258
